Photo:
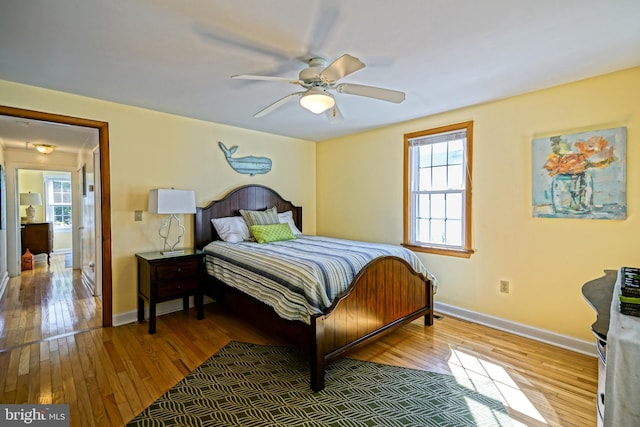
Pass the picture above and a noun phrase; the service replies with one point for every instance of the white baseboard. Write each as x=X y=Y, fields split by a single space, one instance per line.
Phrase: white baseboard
x=563 y=341
x=161 y=308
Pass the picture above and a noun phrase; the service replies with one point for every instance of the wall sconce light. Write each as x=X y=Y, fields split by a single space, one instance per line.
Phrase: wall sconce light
x=317 y=100
x=172 y=202
x=30 y=199
x=45 y=148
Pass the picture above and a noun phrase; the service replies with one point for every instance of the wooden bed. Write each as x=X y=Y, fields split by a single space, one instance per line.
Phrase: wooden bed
x=385 y=295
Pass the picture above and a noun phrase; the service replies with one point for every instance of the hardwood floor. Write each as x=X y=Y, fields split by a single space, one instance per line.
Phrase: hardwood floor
x=45 y=302
x=53 y=351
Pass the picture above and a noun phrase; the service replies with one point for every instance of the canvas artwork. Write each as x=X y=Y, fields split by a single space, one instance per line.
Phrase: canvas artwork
x=580 y=175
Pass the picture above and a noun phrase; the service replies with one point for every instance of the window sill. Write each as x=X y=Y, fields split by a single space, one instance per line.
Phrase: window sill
x=460 y=253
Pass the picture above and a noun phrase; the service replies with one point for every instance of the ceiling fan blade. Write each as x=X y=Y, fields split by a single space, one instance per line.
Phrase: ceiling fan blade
x=326 y=17
x=371 y=92
x=272 y=78
x=279 y=103
x=242 y=41
x=334 y=115
x=341 y=67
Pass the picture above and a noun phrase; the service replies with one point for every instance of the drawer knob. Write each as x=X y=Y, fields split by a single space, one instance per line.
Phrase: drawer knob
x=179 y=269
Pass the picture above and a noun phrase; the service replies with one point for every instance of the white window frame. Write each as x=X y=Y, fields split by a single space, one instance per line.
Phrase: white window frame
x=412 y=192
x=49 y=179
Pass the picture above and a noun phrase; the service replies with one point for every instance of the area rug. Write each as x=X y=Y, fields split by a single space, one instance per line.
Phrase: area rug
x=253 y=385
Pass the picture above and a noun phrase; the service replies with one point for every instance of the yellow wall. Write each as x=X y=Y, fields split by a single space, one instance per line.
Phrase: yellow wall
x=359 y=191
x=149 y=150
x=359 y=195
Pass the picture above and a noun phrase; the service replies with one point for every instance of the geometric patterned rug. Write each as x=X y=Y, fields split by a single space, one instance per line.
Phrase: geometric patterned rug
x=254 y=385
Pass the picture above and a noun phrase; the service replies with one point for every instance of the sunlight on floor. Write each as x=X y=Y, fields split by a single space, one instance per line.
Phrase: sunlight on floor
x=464 y=365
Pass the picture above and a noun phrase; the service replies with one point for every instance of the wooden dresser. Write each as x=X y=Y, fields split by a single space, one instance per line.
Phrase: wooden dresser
x=38 y=238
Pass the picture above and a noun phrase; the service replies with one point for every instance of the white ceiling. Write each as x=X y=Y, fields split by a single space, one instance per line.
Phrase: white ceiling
x=178 y=56
x=19 y=133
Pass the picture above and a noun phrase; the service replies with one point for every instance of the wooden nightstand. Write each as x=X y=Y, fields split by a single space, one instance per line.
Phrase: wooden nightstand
x=163 y=278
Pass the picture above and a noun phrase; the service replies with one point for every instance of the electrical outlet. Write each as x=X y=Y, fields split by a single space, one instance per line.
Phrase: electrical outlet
x=137 y=215
x=504 y=286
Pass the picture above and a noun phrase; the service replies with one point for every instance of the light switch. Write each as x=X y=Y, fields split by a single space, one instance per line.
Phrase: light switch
x=138 y=216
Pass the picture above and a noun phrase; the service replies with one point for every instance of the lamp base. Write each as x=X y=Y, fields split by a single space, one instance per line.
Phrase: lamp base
x=31 y=214
x=174 y=233
x=172 y=253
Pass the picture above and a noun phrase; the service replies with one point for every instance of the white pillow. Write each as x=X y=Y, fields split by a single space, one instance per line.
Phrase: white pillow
x=231 y=229
x=287 y=218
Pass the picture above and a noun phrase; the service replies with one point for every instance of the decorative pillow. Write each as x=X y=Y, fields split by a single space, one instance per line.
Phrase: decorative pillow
x=287 y=218
x=231 y=229
x=269 y=216
x=271 y=233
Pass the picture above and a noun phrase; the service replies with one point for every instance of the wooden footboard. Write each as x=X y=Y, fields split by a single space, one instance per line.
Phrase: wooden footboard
x=385 y=295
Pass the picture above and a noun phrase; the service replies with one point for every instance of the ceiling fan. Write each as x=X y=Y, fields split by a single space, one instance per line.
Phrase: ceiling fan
x=318 y=79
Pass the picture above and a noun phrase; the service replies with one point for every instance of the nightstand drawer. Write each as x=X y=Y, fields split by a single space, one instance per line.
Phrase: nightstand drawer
x=178 y=270
x=176 y=288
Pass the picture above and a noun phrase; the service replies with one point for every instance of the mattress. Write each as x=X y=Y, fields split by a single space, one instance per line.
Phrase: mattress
x=301 y=277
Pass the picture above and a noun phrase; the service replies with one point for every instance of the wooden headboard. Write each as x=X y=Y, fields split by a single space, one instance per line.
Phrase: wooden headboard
x=248 y=197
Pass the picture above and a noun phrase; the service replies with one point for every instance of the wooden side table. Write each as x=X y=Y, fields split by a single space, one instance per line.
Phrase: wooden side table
x=38 y=238
x=163 y=278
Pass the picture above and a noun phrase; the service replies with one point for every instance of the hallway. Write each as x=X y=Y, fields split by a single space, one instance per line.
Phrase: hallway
x=46 y=303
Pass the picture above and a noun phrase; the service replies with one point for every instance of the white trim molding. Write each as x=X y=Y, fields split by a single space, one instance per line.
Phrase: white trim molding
x=161 y=308
x=563 y=341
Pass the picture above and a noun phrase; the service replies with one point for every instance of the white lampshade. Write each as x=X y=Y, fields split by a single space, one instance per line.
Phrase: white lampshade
x=30 y=199
x=317 y=100
x=171 y=201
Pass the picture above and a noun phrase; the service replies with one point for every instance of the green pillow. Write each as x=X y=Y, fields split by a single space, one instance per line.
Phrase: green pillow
x=272 y=232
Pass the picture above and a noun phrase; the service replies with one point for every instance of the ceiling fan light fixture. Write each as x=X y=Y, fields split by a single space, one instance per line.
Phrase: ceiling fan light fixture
x=317 y=100
x=45 y=148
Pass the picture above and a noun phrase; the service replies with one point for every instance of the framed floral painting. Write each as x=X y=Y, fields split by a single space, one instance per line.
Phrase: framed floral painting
x=580 y=175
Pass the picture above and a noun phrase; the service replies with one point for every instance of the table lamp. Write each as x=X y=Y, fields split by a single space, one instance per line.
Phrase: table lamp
x=30 y=199
x=172 y=202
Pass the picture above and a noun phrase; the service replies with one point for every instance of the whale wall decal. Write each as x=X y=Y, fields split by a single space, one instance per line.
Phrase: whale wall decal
x=249 y=165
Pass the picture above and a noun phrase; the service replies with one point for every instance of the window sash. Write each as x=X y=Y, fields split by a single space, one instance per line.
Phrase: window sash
x=437 y=191
x=438 y=225
x=59 y=202
x=452 y=222
x=61 y=214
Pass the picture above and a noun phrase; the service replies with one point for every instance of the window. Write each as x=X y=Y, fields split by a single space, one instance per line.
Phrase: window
x=58 y=203
x=437 y=195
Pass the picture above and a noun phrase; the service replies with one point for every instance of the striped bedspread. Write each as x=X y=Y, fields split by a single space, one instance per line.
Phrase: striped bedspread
x=300 y=277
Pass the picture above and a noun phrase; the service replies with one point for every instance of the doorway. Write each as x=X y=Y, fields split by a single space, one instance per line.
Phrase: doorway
x=104 y=226
x=53 y=211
